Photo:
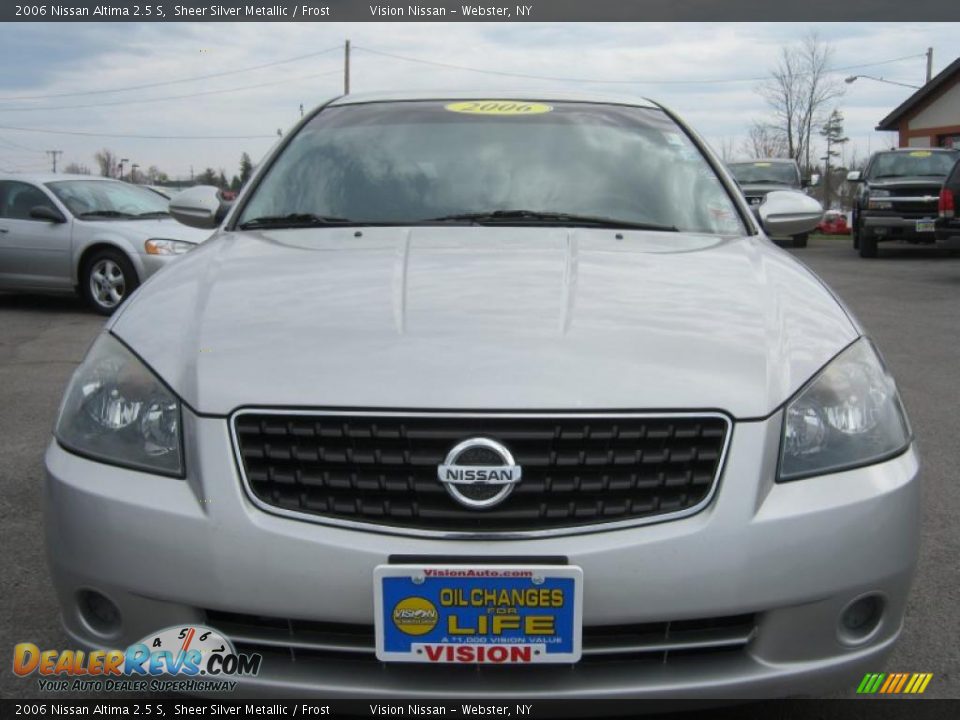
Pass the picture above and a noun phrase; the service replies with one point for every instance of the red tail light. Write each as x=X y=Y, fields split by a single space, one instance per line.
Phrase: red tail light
x=946 y=205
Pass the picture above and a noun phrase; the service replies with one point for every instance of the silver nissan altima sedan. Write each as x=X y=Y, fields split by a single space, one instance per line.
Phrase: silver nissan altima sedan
x=98 y=237
x=465 y=381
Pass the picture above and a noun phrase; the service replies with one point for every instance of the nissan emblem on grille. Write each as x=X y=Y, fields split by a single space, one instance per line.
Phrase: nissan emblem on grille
x=479 y=473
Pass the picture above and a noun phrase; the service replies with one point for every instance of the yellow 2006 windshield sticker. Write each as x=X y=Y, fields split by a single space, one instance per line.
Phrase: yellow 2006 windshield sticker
x=921 y=153
x=498 y=107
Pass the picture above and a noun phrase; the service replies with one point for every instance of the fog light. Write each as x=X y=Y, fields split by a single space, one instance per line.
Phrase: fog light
x=99 y=612
x=861 y=617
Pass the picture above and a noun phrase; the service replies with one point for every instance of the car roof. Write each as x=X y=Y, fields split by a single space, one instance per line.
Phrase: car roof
x=41 y=178
x=530 y=95
x=916 y=149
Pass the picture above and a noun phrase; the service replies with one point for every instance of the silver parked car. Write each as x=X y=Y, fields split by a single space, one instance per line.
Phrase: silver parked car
x=77 y=233
x=756 y=178
x=466 y=382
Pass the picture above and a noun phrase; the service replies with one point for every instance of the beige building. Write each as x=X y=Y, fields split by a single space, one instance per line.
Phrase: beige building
x=931 y=116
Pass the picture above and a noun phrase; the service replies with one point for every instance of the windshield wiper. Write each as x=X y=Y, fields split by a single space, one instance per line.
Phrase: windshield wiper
x=106 y=213
x=559 y=218
x=293 y=220
x=153 y=213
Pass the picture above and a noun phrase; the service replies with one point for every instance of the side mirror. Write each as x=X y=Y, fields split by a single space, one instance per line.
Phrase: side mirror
x=45 y=212
x=199 y=207
x=789 y=213
x=854 y=176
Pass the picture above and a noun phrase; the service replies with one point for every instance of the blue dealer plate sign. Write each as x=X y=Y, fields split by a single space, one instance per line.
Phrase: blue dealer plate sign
x=478 y=613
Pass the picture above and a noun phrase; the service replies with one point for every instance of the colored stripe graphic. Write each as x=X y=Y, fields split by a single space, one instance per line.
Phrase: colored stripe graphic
x=891 y=680
x=903 y=681
x=894 y=683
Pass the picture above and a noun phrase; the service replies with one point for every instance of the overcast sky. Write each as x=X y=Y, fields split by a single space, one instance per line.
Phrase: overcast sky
x=56 y=59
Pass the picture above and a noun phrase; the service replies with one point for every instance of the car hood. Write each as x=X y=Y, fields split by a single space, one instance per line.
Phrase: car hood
x=163 y=227
x=485 y=318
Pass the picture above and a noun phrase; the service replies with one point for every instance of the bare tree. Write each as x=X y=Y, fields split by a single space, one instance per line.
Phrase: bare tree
x=107 y=161
x=799 y=92
x=727 y=149
x=764 y=141
x=76 y=169
x=156 y=175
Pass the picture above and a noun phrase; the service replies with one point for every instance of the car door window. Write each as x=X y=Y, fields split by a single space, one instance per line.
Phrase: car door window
x=17 y=199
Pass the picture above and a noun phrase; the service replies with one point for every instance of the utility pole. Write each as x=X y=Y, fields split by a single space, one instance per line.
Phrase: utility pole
x=53 y=154
x=929 y=63
x=346 y=68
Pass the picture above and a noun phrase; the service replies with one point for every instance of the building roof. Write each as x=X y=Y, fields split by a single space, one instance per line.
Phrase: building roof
x=943 y=78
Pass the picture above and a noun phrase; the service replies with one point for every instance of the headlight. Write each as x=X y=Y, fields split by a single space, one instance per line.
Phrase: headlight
x=117 y=411
x=848 y=415
x=874 y=204
x=159 y=246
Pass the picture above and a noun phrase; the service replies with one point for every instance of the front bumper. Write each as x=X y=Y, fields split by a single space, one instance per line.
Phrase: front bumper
x=150 y=264
x=948 y=233
x=165 y=551
x=897 y=227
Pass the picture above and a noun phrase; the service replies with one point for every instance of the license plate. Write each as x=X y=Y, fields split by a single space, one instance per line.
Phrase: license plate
x=468 y=614
x=925 y=225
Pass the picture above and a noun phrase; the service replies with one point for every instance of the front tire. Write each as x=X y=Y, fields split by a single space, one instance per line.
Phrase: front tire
x=868 y=246
x=800 y=241
x=106 y=280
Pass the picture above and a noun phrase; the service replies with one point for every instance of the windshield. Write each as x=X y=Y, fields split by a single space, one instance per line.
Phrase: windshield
x=409 y=162
x=916 y=163
x=107 y=198
x=778 y=173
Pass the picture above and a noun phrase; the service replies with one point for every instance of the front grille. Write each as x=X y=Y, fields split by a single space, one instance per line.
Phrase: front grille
x=921 y=201
x=920 y=207
x=299 y=640
x=577 y=470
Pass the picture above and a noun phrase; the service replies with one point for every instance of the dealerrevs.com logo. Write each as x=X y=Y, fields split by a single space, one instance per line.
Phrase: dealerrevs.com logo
x=190 y=658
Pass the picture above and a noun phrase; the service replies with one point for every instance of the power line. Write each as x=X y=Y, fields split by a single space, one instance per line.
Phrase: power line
x=601 y=81
x=53 y=154
x=52 y=131
x=171 y=97
x=173 y=82
x=12 y=144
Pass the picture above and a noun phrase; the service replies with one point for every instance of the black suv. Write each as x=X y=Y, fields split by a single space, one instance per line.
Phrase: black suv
x=758 y=177
x=948 y=224
x=897 y=198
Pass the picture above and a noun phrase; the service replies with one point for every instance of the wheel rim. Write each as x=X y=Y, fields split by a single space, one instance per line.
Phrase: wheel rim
x=107 y=283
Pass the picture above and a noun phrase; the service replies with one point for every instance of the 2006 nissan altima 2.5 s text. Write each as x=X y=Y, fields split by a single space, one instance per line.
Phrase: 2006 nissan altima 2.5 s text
x=468 y=382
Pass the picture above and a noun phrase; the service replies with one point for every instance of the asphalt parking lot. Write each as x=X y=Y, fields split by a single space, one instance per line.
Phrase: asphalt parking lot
x=908 y=300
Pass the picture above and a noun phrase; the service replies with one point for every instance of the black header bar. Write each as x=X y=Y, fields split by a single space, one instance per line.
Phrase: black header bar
x=324 y=11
